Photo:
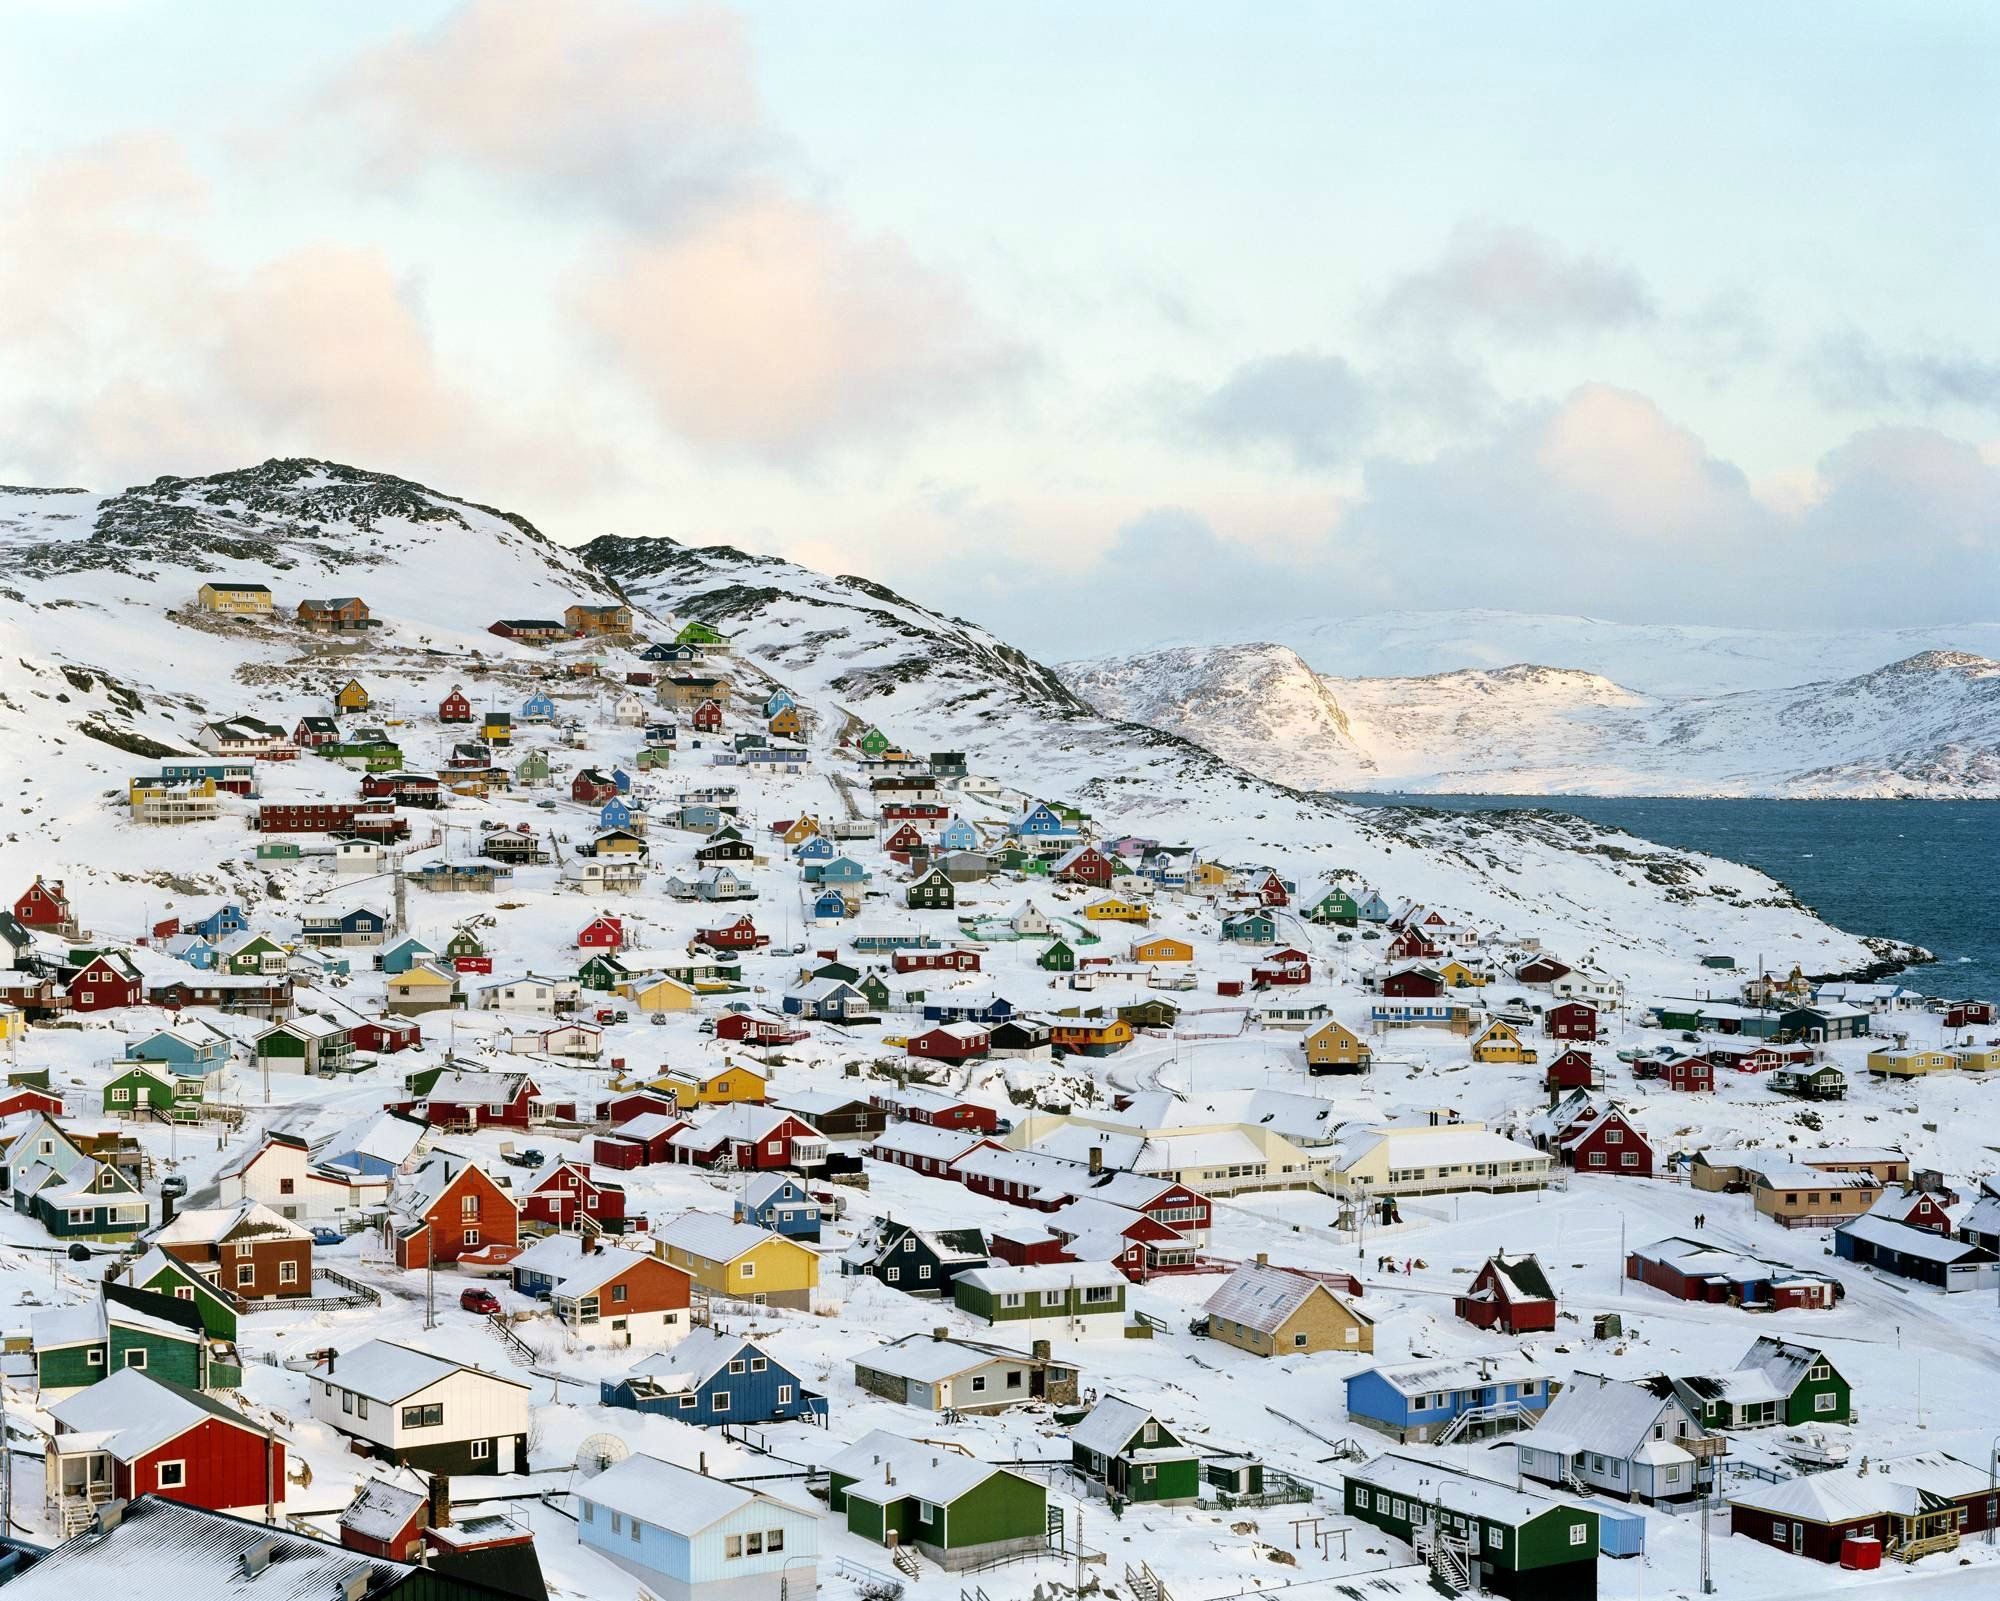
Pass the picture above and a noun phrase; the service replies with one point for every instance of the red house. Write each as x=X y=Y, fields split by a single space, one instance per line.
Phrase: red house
x=1540 y=970
x=1572 y=1020
x=1286 y=965
x=905 y=838
x=385 y=1036
x=1086 y=864
x=173 y=1443
x=939 y=1110
x=388 y=1520
x=1510 y=1293
x=951 y=1042
x=566 y=1191
x=706 y=718
x=940 y=961
x=740 y=935
x=446 y=1208
x=45 y=906
x=26 y=1098
x=592 y=788
x=459 y=1099
x=759 y=1028
x=1607 y=1143
x=107 y=981
x=602 y=934
x=628 y=1104
x=455 y=708
x=1689 y=1073
x=638 y=1141
x=1271 y=890
x=1410 y=945
x=753 y=1137
x=1919 y=1209
x=1571 y=1070
x=309 y=733
x=1413 y=984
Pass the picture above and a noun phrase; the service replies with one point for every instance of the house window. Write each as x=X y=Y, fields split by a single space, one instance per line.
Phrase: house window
x=1826 y=1403
x=784 y=1395
x=890 y=1275
x=1299 y=1341
x=470 y=1238
x=119 y=1097
x=747 y=1270
x=1098 y=1294
x=758 y=1364
x=978 y=1383
x=618 y=1524
x=689 y=1402
x=1052 y=1298
x=94 y=1359
x=1778 y=1532
x=424 y=1417
x=135 y=1359
x=774 y=1540
x=481 y=1450
x=1494 y=1537
x=618 y=1292
x=361 y=1406
x=246 y=1274
x=287 y=1186
x=737 y=1365
x=721 y=1401
x=1149 y=1473
x=1578 y=1533
x=347 y=1400
x=732 y=1545
x=926 y=1512
x=173 y=1475
x=1361 y=1496
x=924 y=1271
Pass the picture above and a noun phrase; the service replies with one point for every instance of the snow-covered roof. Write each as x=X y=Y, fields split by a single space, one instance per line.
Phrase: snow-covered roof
x=212 y=1225
x=578 y=1272
x=382 y=1509
x=1043 y=1276
x=1108 y=1425
x=384 y=1371
x=929 y=1360
x=719 y=1239
x=1475 y=1373
x=1908 y=1241
x=136 y=1413
x=669 y=1497
x=1593 y=1413
x=1845 y=1495
x=1458 y=1492
x=387 y=1136
x=1263 y=1297
x=887 y=1468
x=700 y=1354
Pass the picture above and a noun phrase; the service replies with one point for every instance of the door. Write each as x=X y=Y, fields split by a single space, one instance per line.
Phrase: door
x=1798 y=1539
x=504 y=1457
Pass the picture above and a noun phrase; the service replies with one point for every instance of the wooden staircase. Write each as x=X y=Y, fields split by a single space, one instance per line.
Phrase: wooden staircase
x=1145 y=1584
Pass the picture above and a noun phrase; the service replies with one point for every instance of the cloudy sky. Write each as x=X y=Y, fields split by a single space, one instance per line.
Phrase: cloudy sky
x=1099 y=323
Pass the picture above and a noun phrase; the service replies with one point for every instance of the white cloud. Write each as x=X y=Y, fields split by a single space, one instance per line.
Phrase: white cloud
x=1517 y=284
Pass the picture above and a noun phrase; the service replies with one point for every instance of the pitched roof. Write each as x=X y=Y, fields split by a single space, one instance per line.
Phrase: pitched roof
x=1263 y=1297
x=137 y=1413
x=668 y=1497
x=382 y=1370
x=887 y=1468
x=1109 y=1424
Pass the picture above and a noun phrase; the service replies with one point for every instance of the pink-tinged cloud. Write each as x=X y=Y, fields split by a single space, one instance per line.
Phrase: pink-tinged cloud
x=606 y=102
x=1518 y=284
x=1651 y=478
x=776 y=330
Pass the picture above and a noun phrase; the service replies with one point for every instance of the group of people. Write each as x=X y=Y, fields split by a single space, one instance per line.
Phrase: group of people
x=1387 y=1264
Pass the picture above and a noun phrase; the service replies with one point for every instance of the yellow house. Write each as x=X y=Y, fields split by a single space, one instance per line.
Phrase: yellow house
x=785 y=725
x=740 y=1260
x=497 y=728
x=802 y=830
x=660 y=994
x=422 y=988
x=1460 y=977
x=13 y=1022
x=1978 y=1058
x=730 y=1085
x=1910 y=1064
x=1163 y=949
x=1271 y=1311
x=352 y=697
x=239 y=599
x=618 y=842
x=1499 y=1043
x=1333 y=1047
x=1208 y=875
x=1430 y=1158
x=1090 y=1036
x=1116 y=909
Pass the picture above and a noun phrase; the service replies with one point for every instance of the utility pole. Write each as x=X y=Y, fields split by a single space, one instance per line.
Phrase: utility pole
x=430 y=1285
x=1707 y=1578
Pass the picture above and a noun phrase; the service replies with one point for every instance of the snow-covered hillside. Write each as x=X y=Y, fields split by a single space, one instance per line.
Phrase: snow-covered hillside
x=1928 y=725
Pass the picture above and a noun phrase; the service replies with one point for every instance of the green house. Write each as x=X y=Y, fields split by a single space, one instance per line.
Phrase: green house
x=1132 y=1456
x=278 y=850
x=1778 y=1382
x=1153 y=1013
x=75 y=1346
x=92 y=1201
x=1251 y=928
x=655 y=758
x=932 y=892
x=248 y=958
x=956 y=1510
x=1059 y=1297
x=873 y=743
x=1335 y=906
x=168 y=1275
x=874 y=989
x=699 y=633
x=463 y=943
x=144 y=1090
x=1501 y=1539
x=1060 y=957
x=602 y=972
x=532 y=769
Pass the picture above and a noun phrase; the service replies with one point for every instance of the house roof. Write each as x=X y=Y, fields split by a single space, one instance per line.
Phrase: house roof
x=1907 y=1241
x=886 y=1468
x=673 y=1498
x=1459 y=1492
x=1109 y=1424
x=578 y=1272
x=1044 y=1276
x=719 y=1239
x=1264 y=1298
x=1415 y=1378
x=212 y=1225
x=929 y=1360
x=1523 y=1277
x=137 y=1413
x=1843 y=1495
x=699 y=1355
x=382 y=1510
x=385 y=1371
x=1593 y=1413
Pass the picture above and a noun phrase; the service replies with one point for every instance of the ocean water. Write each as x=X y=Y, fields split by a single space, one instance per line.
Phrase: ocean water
x=1923 y=871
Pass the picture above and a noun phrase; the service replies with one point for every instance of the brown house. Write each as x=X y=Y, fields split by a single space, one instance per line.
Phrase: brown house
x=340 y=614
x=247 y=1249
x=598 y=619
x=1275 y=1311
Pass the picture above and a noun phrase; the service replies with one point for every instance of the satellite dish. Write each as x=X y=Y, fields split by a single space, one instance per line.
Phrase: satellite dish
x=599 y=1452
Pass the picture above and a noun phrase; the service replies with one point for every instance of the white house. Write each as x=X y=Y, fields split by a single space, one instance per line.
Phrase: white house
x=1634 y=1440
x=280 y=1172
x=688 y=1537
x=408 y=1406
x=530 y=992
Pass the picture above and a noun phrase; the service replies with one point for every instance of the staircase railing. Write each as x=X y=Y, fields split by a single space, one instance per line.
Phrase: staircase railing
x=1473 y=1417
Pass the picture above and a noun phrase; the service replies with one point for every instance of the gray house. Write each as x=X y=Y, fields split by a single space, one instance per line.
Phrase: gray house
x=1621 y=1438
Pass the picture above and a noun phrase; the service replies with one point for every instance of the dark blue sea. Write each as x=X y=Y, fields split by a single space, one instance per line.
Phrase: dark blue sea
x=1923 y=871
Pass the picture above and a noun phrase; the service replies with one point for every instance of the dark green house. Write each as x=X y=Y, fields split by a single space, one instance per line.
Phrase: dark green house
x=1335 y=906
x=168 y=1275
x=1778 y=1383
x=75 y=1346
x=1251 y=928
x=874 y=988
x=956 y=1510
x=1059 y=957
x=143 y=1089
x=1478 y=1533
x=602 y=972
x=1132 y=1456
x=934 y=892
x=463 y=943
x=93 y=1201
x=1051 y=1298
x=1150 y=1013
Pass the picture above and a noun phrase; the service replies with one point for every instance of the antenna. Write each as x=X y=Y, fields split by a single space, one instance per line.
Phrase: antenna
x=598 y=1452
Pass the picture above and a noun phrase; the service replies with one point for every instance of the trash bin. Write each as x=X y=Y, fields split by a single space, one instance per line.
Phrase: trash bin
x=1861 y=1552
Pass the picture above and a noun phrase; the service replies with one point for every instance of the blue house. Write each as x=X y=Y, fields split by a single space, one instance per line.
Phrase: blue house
x=538 y=708
x=192 y=949
x=219 y=924
x=670 y=653
x=711 y=1378
x=813 y=848
x=841 y=870
x=832 y=904
x=614 y=813
x=957 y=835
x=1041 y=821
x=827 y=1000
x=703 y=816
x=1371 y=908
x=988 y=1009
x=779 y=1202
x=361 y=924
x=692 y=1538
x=780 y=699
x=622 y=779
x=405 y=954
x=378 y=1145
x=190 y=1049
x=661 y=733
x=1423 y=1401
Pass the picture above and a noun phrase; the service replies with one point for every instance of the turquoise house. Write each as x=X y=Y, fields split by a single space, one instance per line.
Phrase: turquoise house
x=538 y=708
x=187 y=1050
x=813 y=848
x=957 y=835
x=405 y=954
x=841 y=870
x=689 y=1537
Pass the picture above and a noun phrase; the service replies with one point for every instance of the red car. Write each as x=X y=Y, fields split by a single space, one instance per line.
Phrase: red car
x=484 y=1302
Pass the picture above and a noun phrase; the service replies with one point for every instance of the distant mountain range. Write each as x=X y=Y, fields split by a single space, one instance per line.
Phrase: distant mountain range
x=1926 y=725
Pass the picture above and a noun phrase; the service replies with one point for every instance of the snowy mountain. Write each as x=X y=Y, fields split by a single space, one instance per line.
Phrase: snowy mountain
x=1928 y=725
x=1658 y=658
x=114 y=666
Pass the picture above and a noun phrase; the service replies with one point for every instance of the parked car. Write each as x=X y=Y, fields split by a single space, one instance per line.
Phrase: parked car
x=175 y=1185
x=324 y=1236
x=531 y=1157
x=482 y=1301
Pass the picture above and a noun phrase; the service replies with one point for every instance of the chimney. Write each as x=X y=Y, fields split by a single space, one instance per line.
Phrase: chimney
x=1041 y=1350
x=939 y=1334
x=167 y=1209
x=702 y=1464
x=1263 y=1258
x=1097 y=1159
x=439 y=1515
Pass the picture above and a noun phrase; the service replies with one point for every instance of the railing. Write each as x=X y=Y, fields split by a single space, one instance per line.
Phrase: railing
x=1473 y=1417
x=875 y=1579
x=905 y=1560
x=1144 y=1583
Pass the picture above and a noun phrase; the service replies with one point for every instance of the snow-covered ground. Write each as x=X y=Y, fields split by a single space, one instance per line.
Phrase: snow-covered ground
x=437 y=571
